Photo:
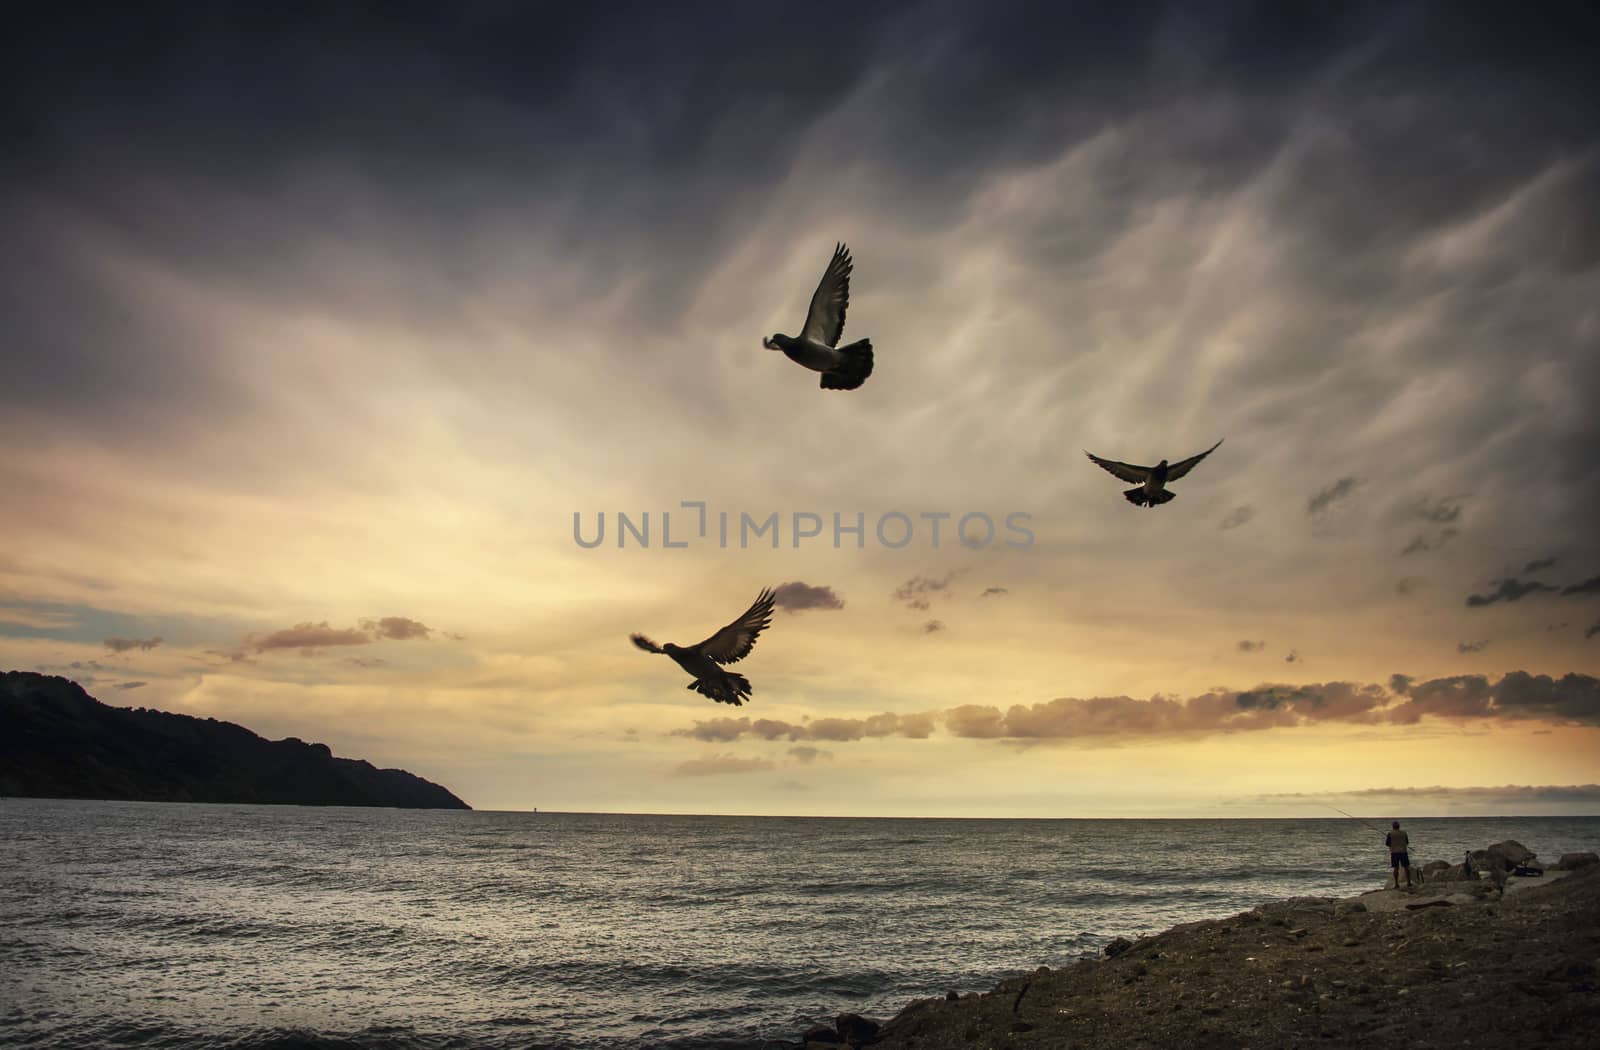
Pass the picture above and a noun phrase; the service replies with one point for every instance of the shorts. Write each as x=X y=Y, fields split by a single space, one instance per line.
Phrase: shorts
x=1400 y=860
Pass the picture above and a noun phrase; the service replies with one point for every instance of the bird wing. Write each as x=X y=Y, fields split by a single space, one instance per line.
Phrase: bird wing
x=734 y=642
x=646 y=644
x=1126 y=471
x=825 y=319
x=1183 y=466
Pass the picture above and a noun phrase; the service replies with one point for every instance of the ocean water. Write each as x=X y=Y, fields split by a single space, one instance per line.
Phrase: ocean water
x=149 y=925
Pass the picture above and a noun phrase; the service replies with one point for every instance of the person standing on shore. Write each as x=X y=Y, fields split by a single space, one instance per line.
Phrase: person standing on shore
x=1399 y=855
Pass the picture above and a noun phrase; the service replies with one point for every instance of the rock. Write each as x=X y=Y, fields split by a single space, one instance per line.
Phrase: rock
x=1574 y=861
x=820 y=1034
x=1433 y=867
x=952 y=995
x=1348 y=908
x=1117 y=947
x=1511 y=852
x=857 y=1030
x=1483 y=861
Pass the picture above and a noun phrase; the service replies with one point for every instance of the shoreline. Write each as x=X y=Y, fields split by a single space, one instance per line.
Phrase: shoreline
x=1445 y=965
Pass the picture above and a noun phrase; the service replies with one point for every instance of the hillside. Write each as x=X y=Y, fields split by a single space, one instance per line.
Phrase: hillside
x=57 y=741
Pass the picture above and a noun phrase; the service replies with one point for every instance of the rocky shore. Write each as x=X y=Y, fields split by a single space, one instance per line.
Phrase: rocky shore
x=1492 y=959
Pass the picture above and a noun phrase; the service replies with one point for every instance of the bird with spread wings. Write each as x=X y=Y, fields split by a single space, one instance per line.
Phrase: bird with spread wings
x=1150 y=482
x=705 y=661
x=817 y=347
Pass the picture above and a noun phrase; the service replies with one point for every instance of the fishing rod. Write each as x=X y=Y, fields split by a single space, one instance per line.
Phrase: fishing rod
x=1352 y=816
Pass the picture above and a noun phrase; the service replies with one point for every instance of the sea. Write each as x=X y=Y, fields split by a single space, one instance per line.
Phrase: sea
x=156 y=925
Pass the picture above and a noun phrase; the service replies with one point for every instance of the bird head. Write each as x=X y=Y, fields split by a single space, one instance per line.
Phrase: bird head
x=773 y=342
x=1162 y=465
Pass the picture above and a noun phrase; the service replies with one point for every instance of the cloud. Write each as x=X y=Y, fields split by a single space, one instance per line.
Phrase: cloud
x=721 y=765
x=805 y=754
x=1439 y=512
x=796 y=596
x=1472 y=647
x=726 y=730
x=1409 y=584
x=1251 y=647
x=364 y=661
x=1591 y=632
x=38 y=619
x=398 y=628
x=1430 y=542
x=1573 y=699
x=122 y=645
x=1507 y=793
x=917 y=592
x=309 y=636
x=125 y=686
x=1518 y=696
x=1236 y=517
x=993 y=592
x=1509 y=589
x=1327 y=497
x=1539 y=565
x=1589 y=586
x=235 y=656
x=933 y=627
x=1293 y=657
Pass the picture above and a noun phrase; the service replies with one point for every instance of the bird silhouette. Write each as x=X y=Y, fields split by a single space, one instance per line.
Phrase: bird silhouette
x=728 y=646
x=1150 y=482
x=817 y=347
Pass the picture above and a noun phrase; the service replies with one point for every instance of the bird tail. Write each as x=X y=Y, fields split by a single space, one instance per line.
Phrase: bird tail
x=729 y=689
x=1137 y=497
x=855 y=369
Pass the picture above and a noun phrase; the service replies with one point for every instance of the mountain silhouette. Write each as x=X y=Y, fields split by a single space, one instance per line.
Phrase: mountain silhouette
x=57 y=741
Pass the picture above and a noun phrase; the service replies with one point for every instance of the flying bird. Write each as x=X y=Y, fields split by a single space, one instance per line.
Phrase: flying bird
x=817 y=347
x=1150 y=482
x=728 y=646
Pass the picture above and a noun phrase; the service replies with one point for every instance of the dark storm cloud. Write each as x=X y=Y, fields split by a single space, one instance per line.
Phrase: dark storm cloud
x=1236 y=517
x=398 y=628
x=933 y=627
x=662 y=141
x=122 y=645
x=993 y=592
x=1472 y=647
x=1539 y=565
x=1251 y=647
x=797 y=596
x=1509 y=589
x=1332 y=494
x=1589 y=586
x=1592 y=631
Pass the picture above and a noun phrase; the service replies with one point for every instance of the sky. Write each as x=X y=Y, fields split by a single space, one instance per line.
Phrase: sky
x=331 y=334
